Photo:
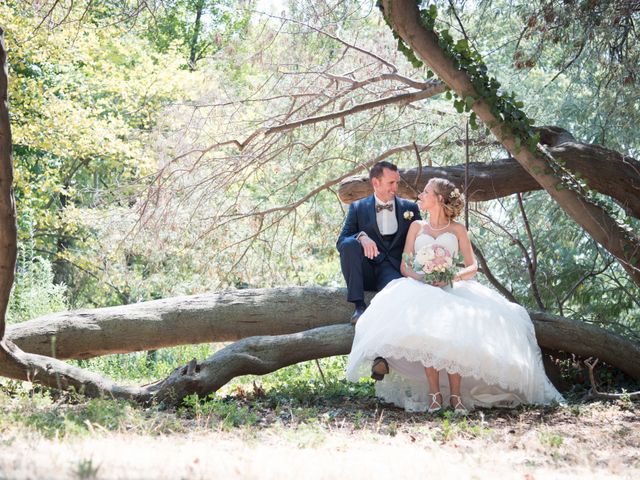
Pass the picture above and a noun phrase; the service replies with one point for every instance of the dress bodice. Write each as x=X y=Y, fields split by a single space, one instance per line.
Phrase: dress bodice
x=447 y=239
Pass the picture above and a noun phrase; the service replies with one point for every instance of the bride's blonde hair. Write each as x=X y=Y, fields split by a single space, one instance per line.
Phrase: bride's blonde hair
x=452 y=198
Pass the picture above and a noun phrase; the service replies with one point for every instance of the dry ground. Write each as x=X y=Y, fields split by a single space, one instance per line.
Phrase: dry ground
x=348 y=439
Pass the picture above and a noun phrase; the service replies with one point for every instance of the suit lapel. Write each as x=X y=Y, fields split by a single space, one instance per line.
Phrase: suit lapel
x=372 y=217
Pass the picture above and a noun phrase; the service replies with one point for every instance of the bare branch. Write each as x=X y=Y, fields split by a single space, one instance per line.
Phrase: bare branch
x=391 y=66
x=404 y=99
x=608 y=396
x=492 y=279
x=532 y=261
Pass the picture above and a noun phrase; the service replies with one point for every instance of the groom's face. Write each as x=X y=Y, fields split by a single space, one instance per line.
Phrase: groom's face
x=387 y=185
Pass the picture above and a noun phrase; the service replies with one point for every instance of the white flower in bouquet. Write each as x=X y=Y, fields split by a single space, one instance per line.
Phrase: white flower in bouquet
x=425 y=255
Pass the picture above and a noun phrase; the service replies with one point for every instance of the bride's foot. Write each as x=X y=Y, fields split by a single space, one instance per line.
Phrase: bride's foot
x=436 y=402
x=458 y=407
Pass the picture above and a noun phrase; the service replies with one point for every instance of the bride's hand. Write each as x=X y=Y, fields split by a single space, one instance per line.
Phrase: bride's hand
x=439 y=284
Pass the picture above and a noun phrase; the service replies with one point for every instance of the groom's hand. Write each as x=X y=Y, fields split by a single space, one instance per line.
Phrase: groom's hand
x=369 y=246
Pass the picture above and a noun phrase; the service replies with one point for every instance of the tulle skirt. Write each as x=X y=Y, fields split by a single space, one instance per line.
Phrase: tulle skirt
x=467 y=329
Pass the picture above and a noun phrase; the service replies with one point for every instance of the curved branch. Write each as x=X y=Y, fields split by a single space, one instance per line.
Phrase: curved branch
x=252 y=356
x=405 y=18
x=435 y=88
x=606 y=171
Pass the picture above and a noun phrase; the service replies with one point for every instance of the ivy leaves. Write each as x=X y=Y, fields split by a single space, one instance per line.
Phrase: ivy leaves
x=503 y=106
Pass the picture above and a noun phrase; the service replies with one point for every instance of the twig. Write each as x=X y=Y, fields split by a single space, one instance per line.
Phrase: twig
x=415 y=184
x=609 y=396
x=324 y=380
x=532 y=261
x=525 y=254
x=388 y=64
x=492 y=279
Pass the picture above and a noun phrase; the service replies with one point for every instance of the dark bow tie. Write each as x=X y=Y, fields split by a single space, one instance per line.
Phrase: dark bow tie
x=388 y=206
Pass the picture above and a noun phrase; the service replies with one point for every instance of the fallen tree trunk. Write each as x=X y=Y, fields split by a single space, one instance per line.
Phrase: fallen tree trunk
x=606 y=171
x=232 y=315
x=216 y=317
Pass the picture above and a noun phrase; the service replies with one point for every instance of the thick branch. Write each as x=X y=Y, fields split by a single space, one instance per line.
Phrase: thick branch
x=572 y=336
x=216 y=317
x=14 y=363
x=8 y=229
x=604 y=170
x=404 y=17
x=256 y=356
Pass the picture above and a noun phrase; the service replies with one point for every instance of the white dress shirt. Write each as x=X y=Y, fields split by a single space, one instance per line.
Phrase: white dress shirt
x=387 y=220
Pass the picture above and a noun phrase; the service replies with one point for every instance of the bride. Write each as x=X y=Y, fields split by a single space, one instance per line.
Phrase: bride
x=418 y=335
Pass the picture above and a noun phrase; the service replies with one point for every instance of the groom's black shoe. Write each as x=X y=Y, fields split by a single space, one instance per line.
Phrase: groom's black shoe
x=360 y=308
x=379 y=368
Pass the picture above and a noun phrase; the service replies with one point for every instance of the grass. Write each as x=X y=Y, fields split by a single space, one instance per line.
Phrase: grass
x=303 y=409
x=86 y=470
x=143 y=367
x=551 y=439
x=303 y=396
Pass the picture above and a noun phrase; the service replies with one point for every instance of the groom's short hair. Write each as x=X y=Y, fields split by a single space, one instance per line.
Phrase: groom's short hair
x=378 y=169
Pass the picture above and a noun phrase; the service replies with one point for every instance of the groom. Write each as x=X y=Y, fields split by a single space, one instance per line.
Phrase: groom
x=372 y=239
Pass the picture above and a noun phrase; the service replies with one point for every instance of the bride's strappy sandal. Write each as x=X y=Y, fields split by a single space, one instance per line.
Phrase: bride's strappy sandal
x=458 y=408
x=435 y=405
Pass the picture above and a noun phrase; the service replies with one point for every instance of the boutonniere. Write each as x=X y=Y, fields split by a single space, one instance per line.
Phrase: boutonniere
x=408 y=215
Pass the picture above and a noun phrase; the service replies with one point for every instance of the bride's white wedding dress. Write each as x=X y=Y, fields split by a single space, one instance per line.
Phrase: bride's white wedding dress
x=467 y=329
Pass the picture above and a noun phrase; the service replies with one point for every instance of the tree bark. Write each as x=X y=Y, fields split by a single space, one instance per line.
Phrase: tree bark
x=404 y=17
x=216 y=317
x=193 y=41
x=240 y=314
x=47 y=371
x=8 y=232
x=254 y=355
x=606 y=171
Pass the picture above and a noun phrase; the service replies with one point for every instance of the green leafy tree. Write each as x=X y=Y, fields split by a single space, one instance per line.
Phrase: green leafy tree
x=199 y=28
x=83 y=102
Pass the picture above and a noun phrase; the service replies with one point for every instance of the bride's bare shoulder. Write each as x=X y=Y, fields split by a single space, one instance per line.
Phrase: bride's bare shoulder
x=417 y=225
x=458 y=228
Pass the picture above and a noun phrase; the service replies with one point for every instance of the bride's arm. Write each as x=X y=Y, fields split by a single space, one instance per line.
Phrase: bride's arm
x=405 y=269
x=471 y=265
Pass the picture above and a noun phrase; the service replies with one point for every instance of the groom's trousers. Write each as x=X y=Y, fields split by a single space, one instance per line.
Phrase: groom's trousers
x=362 y=274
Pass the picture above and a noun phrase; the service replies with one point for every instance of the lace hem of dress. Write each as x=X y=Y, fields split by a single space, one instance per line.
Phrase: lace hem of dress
x=450 y=366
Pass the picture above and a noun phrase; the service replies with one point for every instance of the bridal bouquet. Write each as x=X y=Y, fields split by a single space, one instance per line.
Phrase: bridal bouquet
x=435 y=261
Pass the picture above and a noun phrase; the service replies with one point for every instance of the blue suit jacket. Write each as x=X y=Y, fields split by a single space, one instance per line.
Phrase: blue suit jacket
x=362 y=218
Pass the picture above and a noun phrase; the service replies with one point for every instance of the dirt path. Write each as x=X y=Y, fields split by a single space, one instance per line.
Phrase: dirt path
x=587 y=441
